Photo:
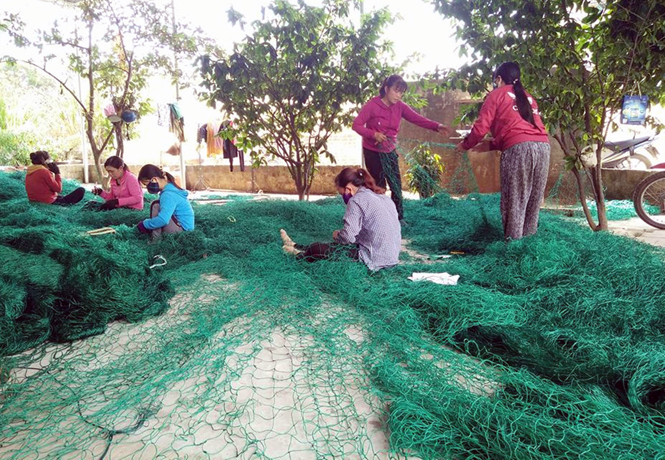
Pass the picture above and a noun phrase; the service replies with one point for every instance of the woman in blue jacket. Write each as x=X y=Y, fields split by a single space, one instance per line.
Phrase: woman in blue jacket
x=172 y=213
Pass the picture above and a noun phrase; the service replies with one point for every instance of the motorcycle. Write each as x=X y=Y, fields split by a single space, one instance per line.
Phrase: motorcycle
x=637 y=153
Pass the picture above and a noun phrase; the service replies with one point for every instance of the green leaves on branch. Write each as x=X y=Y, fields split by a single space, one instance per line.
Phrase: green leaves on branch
x=115 y=47
x=578 y=58
x=296 y=79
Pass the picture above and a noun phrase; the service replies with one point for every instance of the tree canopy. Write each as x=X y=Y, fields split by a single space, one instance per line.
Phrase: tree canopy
x=297 y=79
x=578 y=58
x=114 y=47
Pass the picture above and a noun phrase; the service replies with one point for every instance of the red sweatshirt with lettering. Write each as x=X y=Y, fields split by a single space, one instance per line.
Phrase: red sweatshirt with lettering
x=499 y=115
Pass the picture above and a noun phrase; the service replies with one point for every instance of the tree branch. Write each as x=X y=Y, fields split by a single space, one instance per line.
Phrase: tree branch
x=62 y=83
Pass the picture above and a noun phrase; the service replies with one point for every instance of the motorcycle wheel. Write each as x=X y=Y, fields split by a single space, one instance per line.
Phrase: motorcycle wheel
x=649 y=200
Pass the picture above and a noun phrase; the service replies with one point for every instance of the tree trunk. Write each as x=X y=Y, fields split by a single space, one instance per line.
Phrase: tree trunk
x=582 y=197
x=597 y=175
x=96 y=154
x=301 y=183
x=119 y=142
x=596 y=183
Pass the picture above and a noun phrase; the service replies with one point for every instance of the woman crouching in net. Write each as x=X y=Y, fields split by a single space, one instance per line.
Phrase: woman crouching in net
x=371 y=232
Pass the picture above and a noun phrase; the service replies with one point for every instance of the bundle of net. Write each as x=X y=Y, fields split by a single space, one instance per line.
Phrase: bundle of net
x=61 y=284
x=548 y=347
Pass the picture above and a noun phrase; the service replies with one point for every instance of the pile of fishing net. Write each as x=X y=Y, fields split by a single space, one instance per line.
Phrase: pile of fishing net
x=619 y=209
x=57 y=282
x=548 y=347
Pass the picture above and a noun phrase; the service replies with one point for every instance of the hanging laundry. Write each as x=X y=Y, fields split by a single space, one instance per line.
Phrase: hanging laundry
x=177 y=122
x=163 y=115
x=202 y=134
x=215 y=143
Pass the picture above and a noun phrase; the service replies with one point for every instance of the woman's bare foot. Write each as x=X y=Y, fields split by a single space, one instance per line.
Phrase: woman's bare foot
x=289 y=246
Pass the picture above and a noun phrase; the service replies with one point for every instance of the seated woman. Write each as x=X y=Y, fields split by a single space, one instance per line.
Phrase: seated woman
x=125 y=190
x=172 y=213
x=43 y=182
x=371 y=231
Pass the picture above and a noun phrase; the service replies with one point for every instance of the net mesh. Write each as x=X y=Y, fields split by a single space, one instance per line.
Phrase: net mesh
x=549 y=347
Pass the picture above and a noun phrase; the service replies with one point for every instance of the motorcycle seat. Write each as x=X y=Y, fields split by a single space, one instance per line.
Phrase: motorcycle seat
x=623 y=145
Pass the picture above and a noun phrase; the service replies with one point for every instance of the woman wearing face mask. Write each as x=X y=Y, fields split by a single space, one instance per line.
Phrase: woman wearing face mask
x=378 y=123
x=125 y=191
x=512 y=116
x=371 y=231
x=172 y=213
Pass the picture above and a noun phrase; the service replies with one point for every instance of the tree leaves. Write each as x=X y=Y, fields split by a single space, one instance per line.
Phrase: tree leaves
x=296 y=79
x=598 y=52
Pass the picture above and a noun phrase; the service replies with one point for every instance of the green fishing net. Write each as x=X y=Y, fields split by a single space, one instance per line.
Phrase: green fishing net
x=548 y=347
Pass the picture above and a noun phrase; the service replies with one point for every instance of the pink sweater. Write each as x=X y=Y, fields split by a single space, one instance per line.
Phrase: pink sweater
x=128 y=192
x=375 y=116
x=500 y=116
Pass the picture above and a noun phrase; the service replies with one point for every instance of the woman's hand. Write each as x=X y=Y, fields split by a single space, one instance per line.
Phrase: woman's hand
x=380 y=137
x=484 y=146
x=335 y=235
x=97 y=191
x=460 y=147
x=444 y=129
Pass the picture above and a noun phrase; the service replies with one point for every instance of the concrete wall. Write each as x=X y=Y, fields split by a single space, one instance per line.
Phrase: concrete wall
x=463 y=173
x=269 y=179
x=619 y=184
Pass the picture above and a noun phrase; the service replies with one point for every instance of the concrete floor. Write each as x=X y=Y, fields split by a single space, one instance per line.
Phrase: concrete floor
x=638 y=229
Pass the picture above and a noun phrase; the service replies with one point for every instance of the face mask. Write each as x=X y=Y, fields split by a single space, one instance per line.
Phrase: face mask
x=346 y=197
x=153 y=188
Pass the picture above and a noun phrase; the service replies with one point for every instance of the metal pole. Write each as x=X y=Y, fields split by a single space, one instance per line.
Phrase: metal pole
x=362 y=156
x=183 y=175
x=84 y=147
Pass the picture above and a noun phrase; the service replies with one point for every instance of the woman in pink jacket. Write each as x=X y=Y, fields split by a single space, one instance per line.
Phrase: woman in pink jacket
x=125 y=189
x=378 y=124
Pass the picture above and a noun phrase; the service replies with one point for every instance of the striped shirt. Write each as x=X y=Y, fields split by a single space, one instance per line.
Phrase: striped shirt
x=370 y=221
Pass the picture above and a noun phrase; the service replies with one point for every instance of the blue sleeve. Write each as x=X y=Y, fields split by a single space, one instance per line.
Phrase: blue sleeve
x=166 y=209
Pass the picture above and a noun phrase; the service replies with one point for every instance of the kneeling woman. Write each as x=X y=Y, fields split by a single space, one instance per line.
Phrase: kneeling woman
x=172 y=213
x=371 y=232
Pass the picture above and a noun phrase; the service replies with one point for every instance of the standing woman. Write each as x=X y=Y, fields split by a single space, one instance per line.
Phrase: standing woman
x=378 y=123
x=172 y=213
x=371 y=231
x=125 y=190
x=512 y=116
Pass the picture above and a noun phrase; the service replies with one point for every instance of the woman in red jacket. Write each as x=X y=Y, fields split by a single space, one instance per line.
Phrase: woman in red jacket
x=43 y=182
x=125 y=190
x=512 y=116
x=378 y=124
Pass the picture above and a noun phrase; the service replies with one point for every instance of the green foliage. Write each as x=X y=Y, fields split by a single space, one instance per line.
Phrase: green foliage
x=424 y=171
x=15 y=148
x=297 y=79
x=578 y=58
x=3 y=115
x=30 y=103
x=114 y=47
